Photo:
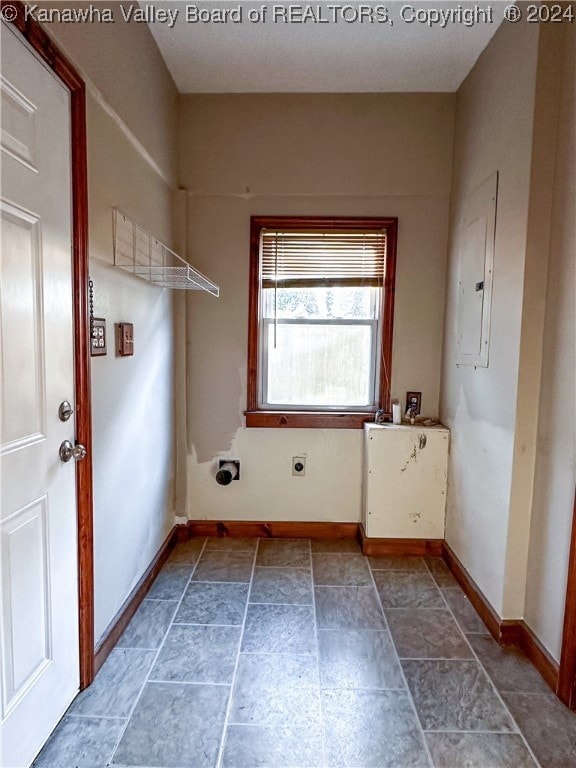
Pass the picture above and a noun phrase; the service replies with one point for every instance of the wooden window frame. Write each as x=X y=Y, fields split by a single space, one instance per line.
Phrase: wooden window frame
x=320 y=419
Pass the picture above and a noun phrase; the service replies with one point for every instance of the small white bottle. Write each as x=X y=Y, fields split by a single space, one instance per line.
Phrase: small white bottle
x=396 y=415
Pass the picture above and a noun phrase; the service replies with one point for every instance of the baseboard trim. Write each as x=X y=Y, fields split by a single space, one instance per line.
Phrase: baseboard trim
x=132 y=602
x=539 y=656
x=505 y=631
x=280 y=530
x=315 y=530
x=481 y=605
x=397 y=547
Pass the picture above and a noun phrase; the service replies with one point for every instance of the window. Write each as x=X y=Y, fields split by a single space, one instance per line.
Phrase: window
x=320 y=325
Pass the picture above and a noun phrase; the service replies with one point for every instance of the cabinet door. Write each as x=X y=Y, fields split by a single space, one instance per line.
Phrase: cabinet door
x=405 y=493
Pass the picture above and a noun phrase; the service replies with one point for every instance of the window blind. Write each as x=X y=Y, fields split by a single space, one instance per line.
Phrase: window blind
x=335 y=257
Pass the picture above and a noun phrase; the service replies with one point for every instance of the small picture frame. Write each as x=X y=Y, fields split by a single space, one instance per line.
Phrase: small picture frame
x=413 y=403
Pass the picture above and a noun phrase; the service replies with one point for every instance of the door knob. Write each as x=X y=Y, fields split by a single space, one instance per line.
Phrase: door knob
x=69 y=451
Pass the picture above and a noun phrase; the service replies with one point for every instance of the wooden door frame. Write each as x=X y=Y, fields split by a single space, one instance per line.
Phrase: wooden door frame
x=566 y=688
x=39 y=40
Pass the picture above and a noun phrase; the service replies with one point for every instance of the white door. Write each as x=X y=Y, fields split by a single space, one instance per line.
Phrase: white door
x=39 y=651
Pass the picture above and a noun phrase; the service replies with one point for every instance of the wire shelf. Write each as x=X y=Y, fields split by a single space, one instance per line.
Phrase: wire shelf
x=138 y=252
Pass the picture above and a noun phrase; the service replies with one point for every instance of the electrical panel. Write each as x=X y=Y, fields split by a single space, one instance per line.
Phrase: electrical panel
x=475 y=245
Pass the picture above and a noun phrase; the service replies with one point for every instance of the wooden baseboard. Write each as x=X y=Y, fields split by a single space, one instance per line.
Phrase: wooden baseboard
x=312 y=530
x=397 y=547
x=281 y=530
x=477 y=598
x=130 y=605
x=505 y=631
x=539 y=656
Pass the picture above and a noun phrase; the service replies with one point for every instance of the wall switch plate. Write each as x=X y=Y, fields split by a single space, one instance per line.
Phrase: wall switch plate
x=299 y=466
x=97 y=336
x=125 y=339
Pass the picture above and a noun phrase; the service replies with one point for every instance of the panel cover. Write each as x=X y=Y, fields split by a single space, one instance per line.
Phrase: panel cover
x=25 y=600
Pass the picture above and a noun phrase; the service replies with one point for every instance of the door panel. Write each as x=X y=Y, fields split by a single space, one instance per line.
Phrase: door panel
x=39 y=643
x=21 y=326
x=24 y=539
x=18 y=125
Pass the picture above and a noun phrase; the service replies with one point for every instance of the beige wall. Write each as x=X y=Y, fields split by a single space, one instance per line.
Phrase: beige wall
x=130 y=159
x=511 y=478
x=556 y=443
x=244 y=155
x=127 y=75
x=494 y=120
x=539 y=231
x=132 y=397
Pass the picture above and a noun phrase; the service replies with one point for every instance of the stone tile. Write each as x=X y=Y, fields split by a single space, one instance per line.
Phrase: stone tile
x=170 y=582
x=441 y=574
x=197 y=654
x=340 y=570
x=116 y=686
x=294 y=553
x=548 y=726
x=149 y=625
x=372 y=729
x=479 y=750
x=186 y=553
x=281 y=585
x=224 y=566
x=231 y=544
x=509 y=668
x=213 y=603
x=272 y=747
x=358 y=658
x=175 y=725
x=276 y=689
x=336 y=546
x=404 y=563
x=279 y=629
x=464 y=611
x=421 y=633
x=82 y=742
x=407 y=590
x=455 y=696
x=348 y=608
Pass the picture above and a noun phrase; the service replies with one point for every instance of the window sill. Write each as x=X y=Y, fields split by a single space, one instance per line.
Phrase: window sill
x=308 y=419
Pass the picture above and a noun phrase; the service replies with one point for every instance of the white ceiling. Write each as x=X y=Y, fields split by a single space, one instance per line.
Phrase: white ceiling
x=319 y=57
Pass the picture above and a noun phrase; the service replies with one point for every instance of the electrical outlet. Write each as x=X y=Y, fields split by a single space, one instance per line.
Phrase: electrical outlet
x=298 y=466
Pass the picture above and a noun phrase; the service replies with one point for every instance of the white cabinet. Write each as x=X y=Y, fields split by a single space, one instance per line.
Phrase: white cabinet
x=404 y=484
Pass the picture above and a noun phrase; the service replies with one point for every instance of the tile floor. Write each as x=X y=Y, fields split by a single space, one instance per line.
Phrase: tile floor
x=278 y=652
